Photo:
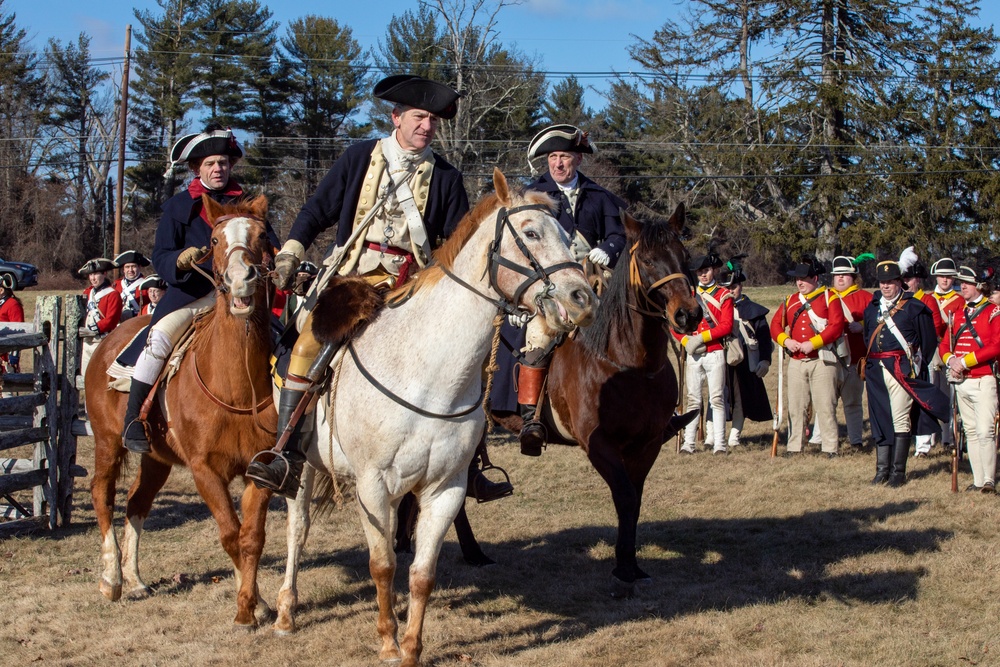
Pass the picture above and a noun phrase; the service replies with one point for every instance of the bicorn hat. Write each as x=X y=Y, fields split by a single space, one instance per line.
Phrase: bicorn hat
x=843 y=264
x=565 y=138
x=807 y=267
x=888 y=270
x=96 y=265
x=415 y=91
x=944 y=267
x=700 y=262
x=733 y=272
x=7 y=281
x=205 y=144
x=131 y=257
x=152 y=281
x=308 y=267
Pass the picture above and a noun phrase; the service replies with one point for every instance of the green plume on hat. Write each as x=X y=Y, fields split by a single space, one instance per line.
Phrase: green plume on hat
x=863 y=257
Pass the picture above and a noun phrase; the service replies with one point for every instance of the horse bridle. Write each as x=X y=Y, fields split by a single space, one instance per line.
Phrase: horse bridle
x=220 y=285
x=644 y=295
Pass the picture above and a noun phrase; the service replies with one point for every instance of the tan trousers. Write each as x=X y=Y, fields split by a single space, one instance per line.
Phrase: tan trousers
x=815 y=380
x=900 y=402
x=977 y=403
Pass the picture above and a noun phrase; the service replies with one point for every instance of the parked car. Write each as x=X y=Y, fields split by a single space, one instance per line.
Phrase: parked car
x=18 y=275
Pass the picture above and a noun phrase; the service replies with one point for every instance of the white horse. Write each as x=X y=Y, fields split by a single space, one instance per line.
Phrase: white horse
x=413 y=424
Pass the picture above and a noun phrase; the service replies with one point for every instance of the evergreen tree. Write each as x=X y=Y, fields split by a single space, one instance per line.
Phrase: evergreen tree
x=565 y=104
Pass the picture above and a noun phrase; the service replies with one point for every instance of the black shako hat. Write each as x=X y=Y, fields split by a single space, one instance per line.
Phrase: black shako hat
x=888 y=270
x=131 y=257
x=807 y=267
x=415 y=91
x=700 y=262
x=205 y=144
x=565 y=138
x=96 y=265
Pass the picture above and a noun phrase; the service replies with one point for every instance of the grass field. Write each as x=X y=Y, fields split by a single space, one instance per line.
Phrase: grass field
x=755 y=561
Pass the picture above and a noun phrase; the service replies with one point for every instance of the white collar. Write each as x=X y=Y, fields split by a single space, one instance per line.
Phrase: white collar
x=572 y=185
x=408 y=159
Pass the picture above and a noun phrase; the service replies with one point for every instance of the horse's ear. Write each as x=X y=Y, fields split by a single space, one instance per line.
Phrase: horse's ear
x=677 y=220
x=213 y=209
x=258 y=207
x=501 y=187
x=632 y=226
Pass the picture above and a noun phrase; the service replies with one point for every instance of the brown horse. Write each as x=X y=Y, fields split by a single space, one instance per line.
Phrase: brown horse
x=214 y=415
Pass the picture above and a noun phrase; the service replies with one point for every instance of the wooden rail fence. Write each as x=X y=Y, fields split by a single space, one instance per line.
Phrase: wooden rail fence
x=40 y=409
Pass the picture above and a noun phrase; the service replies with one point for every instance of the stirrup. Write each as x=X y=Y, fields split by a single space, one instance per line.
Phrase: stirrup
x=263 y=474
x=134 y=445
x=500 y=489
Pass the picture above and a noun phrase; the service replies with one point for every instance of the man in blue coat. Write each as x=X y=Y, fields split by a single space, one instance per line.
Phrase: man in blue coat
x=591 y=216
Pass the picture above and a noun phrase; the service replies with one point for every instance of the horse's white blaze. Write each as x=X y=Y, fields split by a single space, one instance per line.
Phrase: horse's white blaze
x=238 y=276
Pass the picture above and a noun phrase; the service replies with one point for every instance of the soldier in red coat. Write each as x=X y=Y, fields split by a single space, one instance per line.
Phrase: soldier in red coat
x=808 y=325
x=968 y=351
x=104 y=307
x=133 y=296
x=11 y=310
x=706 y=359
x=948 y=303
x=154 y=287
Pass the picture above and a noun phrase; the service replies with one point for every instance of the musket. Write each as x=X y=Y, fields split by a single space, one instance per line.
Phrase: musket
x=781 y=372
x=956 y=417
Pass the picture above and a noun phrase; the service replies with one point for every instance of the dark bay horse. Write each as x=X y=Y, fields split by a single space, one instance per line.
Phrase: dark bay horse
x=214 y=415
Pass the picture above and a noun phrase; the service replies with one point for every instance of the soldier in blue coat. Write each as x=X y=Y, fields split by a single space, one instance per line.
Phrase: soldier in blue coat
x=183 y=237
x=901 y=340
x=591 y=216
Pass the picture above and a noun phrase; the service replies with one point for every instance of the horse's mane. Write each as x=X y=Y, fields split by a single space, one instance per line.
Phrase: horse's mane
x=467 y=226
x=613 y=313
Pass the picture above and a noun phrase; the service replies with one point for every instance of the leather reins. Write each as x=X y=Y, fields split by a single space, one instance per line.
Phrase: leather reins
x=644 y=294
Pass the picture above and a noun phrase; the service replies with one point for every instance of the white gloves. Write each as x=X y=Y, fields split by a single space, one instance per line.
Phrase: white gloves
x=598 y=256
x=762 y=368
x=694 y=344
x=518 y=319
x=85 y=332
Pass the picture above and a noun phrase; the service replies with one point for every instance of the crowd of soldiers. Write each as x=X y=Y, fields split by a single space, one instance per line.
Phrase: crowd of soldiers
x=924 y=358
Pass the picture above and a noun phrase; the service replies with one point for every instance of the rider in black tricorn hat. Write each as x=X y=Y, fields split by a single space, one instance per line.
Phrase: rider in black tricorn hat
x=394 y=200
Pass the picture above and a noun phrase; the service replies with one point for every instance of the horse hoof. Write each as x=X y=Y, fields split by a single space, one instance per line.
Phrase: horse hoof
x=622 y=590
x=479 y=560
x=263 y=614
x=139 y=593
x=244 y=628
x=111 y=591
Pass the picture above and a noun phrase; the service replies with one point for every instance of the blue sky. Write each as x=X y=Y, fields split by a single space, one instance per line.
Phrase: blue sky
x=580 y=36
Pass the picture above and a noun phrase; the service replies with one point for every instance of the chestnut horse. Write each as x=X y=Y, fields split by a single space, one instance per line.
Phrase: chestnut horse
x=218 y=414
x=403 y=410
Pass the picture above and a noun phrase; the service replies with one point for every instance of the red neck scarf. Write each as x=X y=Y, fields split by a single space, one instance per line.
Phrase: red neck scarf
x=196 y=189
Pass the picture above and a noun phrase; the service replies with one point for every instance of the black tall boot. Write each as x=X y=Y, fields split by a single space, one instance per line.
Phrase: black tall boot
x=134 y=432
x=283 y=472
x=883 y=453
x=481 y=487
x=900 y=450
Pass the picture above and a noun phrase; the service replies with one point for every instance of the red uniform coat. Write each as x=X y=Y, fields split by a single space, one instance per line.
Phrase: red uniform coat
x=108 y=304
x=712 y=330
x=140 y=296
x=11 y=310
x=949 y=305
x=855 y=300
x=789 y=323
x=978 y=357
x=940 y=325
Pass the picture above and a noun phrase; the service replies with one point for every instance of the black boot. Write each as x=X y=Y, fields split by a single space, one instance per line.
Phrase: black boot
x=533 y=433
x=283 y=472
x=134 y=433
x=883 y=453
x=480 y=486
x=900 y=450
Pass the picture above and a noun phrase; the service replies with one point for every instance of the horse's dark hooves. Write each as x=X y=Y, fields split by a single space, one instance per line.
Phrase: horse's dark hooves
x=478 y=560
x=622 y=590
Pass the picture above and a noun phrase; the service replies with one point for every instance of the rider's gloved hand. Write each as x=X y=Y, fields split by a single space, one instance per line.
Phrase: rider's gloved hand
x=599 y=257
x=190 y=256
x=286 y=266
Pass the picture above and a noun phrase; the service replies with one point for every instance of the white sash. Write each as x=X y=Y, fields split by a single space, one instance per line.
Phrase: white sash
x=404 y=196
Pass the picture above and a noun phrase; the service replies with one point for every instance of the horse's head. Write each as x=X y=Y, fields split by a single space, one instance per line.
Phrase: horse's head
x=240 y=250
x=531 y=264
x=658 y=270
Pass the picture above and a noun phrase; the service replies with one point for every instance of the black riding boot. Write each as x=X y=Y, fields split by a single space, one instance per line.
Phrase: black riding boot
x=900 y=451
x=883 y=453
x=283 y=472
x=482 y=488
x=134 y=433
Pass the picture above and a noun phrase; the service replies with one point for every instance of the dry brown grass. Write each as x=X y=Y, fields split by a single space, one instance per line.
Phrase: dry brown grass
x=756 y=561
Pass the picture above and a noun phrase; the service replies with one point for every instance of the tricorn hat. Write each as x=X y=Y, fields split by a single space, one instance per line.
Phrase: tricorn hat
x=700 y=262
x=733 y=272
x=204 y=144
x=152 y=281
x=308 y=267
x=807 y=267
x=565 y=138
x=944 y=267
x=131 y=257
x=415 y=91
x=888 y=270
x=96 y=265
